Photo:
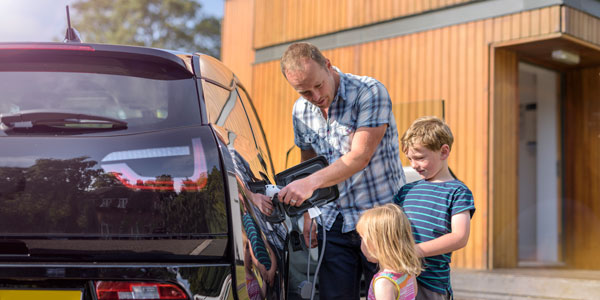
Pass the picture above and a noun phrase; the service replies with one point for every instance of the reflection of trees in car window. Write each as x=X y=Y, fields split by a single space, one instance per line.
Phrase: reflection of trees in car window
x=47 y=196
x=208 y=203
x=74 y=196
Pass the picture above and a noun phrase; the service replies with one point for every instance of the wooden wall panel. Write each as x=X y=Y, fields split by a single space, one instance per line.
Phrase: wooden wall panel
x=503 y=160
x=236 y=40
x=582 y=168
x=450 y=64
x=287 y=20
x=581 y=25
x=406 y=112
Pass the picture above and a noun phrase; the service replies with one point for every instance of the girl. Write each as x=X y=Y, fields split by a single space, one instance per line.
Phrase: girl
x=388 y=241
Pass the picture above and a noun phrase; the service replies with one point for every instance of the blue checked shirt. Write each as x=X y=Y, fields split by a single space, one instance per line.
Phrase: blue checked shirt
x=360 y=101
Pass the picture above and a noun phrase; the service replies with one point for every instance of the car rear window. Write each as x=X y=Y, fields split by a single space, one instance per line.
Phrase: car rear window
x=146 y=95
x=151 y=191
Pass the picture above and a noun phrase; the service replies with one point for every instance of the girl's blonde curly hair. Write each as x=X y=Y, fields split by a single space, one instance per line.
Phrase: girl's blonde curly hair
x=387 y=234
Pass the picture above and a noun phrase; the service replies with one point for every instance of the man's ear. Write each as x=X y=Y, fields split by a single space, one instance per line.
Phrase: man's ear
x=445 y=151
x=328 y=64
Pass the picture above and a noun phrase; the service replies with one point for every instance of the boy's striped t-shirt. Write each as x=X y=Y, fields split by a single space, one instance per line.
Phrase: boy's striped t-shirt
x=430 y=207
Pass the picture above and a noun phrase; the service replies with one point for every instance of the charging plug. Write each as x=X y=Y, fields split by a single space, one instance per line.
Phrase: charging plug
x=305 y=289
x=271 y=190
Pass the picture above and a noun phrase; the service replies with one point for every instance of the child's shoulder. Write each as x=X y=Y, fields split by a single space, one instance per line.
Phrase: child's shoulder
x=411 y=184
x=460 y=188
x=423 y=187
x=456 y=184
x=424 y=184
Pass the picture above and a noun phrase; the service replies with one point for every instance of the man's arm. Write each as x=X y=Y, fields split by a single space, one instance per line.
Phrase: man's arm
x=457 y=239
x=364 y=144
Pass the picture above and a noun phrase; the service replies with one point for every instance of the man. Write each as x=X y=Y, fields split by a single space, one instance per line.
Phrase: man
x=348 y=119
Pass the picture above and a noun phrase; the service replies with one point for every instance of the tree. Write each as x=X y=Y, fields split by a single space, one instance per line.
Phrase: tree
x=170 y=24
x=50 y=196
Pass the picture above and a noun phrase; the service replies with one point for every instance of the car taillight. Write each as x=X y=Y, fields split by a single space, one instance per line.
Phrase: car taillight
x=158 y=185
x=116 y=290
x=131 y=179
x=46 y=47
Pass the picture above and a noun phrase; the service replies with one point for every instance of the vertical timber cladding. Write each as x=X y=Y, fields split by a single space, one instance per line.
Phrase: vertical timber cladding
x=236 y=51
x=503 y=160
x=289 y=20
x=581 y=144
x=581 y=25
x=582 y=168
x=450 y=64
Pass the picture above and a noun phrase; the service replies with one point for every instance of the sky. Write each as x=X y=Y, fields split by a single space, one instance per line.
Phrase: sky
x=45 y=20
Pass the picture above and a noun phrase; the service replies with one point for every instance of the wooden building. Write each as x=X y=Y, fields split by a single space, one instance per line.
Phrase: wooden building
x=518 y=81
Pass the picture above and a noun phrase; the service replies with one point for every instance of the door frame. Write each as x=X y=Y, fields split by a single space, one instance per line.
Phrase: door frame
x=503 y=137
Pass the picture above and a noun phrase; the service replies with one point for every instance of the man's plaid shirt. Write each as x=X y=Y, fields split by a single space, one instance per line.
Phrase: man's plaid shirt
x=360 y=101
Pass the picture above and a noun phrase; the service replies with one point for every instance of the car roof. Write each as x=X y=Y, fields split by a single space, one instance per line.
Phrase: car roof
x=178 y=58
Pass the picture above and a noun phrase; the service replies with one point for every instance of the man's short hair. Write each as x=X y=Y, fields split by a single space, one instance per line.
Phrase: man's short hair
x=430 y=132
x=296 y=52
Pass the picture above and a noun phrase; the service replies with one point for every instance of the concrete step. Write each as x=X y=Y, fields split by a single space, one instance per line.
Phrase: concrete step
x=528 y=283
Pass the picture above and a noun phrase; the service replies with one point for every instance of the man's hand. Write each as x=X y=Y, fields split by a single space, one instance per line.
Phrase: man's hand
x=296 y=192
x=364 y=144
x=264 y=203
x=310 y=239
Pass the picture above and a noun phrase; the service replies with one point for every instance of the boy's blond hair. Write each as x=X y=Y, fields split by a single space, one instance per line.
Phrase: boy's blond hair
x=388 y=237
x=430 y=132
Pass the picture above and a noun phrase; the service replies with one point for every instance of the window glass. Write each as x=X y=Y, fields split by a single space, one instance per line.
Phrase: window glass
x=258 y=132
x=215 y=98
x=215 y=70
x=229 y=118
x=144 y=103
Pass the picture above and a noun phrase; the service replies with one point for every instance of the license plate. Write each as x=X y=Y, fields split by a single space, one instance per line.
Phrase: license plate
x=40 y=294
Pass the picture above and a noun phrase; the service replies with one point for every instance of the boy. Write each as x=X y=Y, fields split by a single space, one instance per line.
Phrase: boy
x=439 y=206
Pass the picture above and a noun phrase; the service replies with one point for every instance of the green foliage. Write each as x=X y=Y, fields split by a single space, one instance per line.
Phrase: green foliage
x=169 y=24
x=197 y=211
x=47 y=195
x=76 y=196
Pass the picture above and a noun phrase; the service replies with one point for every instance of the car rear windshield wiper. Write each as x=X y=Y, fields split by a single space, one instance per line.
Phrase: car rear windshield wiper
x=29 y=119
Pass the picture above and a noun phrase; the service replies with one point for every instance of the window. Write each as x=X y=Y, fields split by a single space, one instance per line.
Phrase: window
x=259 y=135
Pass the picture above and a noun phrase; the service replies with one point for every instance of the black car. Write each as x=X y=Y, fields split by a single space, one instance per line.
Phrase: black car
x=133 y=173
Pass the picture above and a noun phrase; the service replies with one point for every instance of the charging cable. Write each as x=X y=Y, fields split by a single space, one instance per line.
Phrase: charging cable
x=312 y=296
x=306 y=291
x=305 y=288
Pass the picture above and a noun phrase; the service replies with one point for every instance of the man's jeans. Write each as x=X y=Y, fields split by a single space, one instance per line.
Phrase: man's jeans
x=343 y=264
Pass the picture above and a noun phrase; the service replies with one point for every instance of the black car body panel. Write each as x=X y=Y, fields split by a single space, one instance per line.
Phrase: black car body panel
x=132 y=165
x=82 y=193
